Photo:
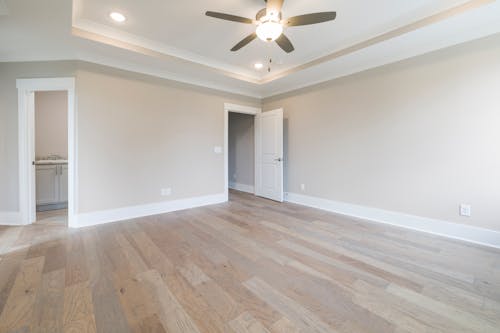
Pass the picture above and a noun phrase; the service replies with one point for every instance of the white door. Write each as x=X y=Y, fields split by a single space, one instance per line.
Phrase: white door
x=269 y=155
x=47 y=184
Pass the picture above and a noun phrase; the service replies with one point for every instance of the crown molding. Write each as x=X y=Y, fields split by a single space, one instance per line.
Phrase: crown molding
x=103 y=34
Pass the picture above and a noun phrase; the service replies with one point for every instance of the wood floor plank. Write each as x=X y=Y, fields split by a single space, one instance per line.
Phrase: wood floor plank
x=300 y=316
x=76 y=265
x=136 y=303
x=170 y=312
x=150 y=325
x=246 y=323
x=78 y=309
x=193 y=274
x=49 y=306
x=108 y=312
x=284 y=326
x=463 y=318
x=18 y=311
x=8 y=273
x=372 y=299
x=55 y=257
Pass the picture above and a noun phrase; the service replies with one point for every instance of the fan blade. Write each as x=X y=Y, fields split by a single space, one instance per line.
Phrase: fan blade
x=274 y=6
x=244 y=41
x=285 y=43
x=229 y=17
x=310 y=19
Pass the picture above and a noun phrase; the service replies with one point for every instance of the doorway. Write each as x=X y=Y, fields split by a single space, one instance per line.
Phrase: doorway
x=241 y=152
x=51 y=156
x=47 y=159
x=268 y=152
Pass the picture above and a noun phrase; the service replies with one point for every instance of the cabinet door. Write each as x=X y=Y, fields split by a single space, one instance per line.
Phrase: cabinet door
x=63 y=183
x=47 y=184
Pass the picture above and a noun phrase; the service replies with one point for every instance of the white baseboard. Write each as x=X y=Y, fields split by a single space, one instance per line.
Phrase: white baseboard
x=10 y=218
x=463 y=232
x=242 y=187
x=131 y=212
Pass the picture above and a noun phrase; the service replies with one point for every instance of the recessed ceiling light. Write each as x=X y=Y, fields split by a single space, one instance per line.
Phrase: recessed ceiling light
x=258 y=65
x=117 y=17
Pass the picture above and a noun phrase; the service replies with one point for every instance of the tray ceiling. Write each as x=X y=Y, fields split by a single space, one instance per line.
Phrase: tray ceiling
x=174 y=39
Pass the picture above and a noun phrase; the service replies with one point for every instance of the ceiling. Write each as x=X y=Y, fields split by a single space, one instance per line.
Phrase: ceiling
x=175 y=40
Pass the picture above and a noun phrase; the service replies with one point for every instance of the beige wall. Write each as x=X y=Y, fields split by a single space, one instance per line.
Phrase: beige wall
x=51 y=123
x=136 y=135
x=241 y=148
x=419 y=137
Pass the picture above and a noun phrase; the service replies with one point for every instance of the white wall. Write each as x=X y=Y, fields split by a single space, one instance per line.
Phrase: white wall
x=241 y=149
x=418 y=137
x=51 y=123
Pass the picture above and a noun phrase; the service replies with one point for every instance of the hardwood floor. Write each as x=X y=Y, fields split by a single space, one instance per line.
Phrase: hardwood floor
x=250 y=265
x=58 y=216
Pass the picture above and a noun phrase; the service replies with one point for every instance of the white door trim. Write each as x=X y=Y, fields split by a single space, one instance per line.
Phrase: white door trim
x=26 y=112
x=228 y=107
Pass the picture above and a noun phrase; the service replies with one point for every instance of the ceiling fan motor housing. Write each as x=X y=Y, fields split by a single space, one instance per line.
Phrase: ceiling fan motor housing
x=263 y=13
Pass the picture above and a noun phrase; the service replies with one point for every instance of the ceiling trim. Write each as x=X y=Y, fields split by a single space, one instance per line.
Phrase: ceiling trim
x=108 y=35
x=96 y=37
x=164 y=75
x=444 y=15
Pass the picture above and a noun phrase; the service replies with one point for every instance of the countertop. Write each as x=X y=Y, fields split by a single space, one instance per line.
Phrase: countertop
x=50 y=162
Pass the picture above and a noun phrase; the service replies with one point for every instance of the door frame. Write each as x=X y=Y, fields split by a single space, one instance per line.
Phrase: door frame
x=228 y=107
x=26 y=127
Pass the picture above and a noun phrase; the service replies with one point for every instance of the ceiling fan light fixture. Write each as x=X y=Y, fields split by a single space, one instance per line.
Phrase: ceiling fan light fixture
x=269 y=30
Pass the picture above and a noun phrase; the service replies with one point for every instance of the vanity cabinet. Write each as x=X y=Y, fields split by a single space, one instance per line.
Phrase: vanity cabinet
x=51 y=184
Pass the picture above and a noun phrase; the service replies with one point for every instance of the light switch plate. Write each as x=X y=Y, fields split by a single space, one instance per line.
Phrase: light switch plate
x=218 y=149
x=166 y=191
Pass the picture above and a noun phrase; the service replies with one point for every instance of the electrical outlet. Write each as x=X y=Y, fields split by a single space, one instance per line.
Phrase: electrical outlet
x=465 y=210
x=166 y=191
x=302 y=187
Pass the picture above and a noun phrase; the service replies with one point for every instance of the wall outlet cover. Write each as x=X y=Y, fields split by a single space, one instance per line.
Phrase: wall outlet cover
x=465 y=210
x=218 y=149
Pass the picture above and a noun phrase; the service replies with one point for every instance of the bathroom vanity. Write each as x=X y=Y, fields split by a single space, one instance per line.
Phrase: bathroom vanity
x=51 y=184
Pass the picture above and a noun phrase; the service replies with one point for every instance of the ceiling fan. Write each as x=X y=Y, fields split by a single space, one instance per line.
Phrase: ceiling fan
x=270 y=24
